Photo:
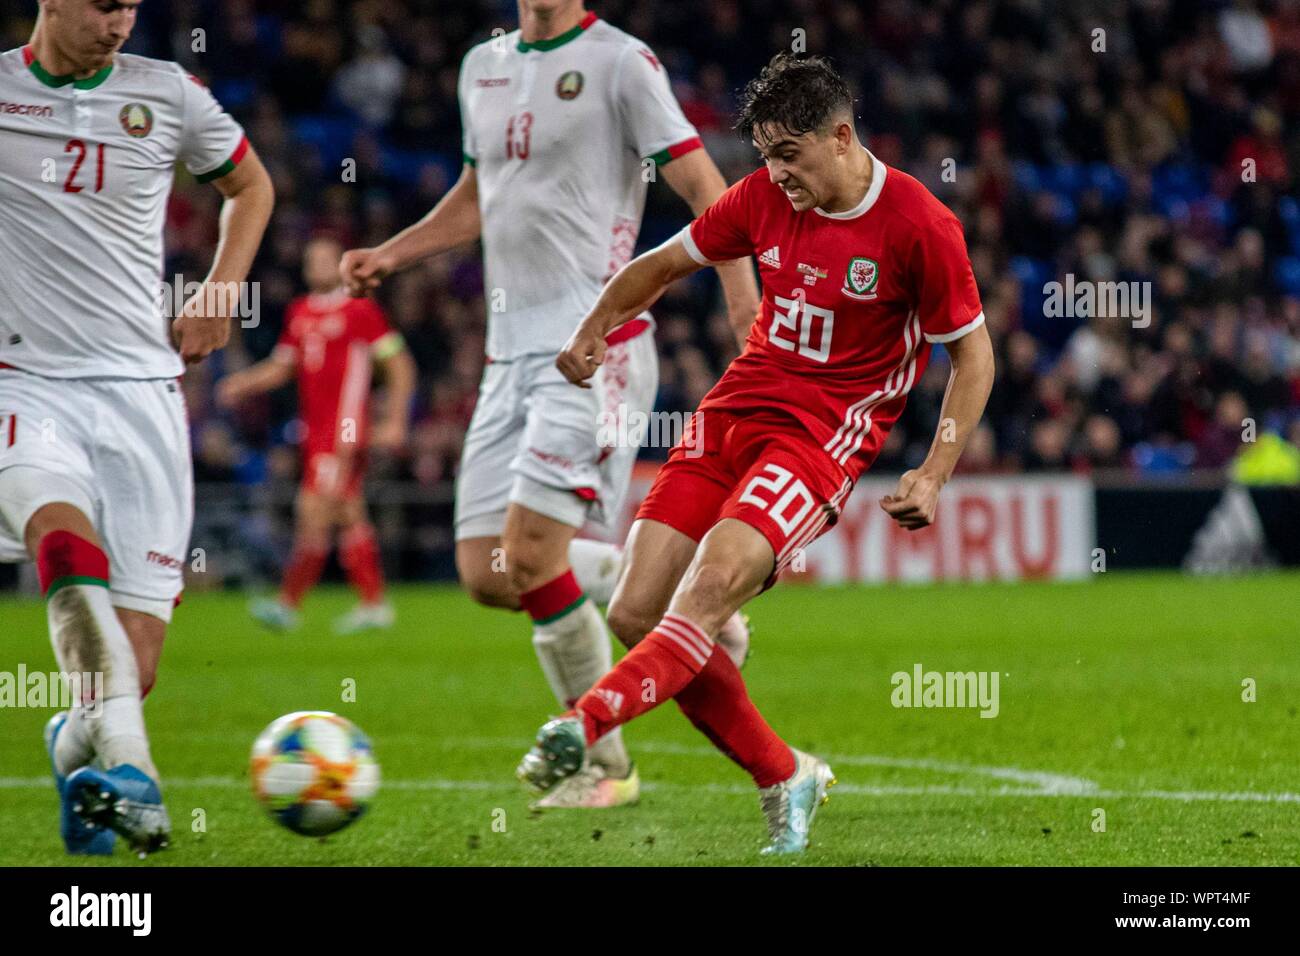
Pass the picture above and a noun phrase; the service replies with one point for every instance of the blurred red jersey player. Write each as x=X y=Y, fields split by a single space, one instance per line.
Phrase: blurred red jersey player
x=331 y=343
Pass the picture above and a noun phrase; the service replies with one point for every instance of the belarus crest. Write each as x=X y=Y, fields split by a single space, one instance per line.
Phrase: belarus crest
x=860 y=279
x=569 y=85
x=136 y=119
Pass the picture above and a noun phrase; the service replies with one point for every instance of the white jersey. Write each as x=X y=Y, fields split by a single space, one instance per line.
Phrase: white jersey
x=86 y=168
x=562 y=134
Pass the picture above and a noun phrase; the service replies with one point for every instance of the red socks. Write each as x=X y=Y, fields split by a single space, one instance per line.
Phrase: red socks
x=677 y=659
x=553 y=599
x=64 y=558
x=359 y=555
x=658 y=668
x=717 y=703
x=305 y=566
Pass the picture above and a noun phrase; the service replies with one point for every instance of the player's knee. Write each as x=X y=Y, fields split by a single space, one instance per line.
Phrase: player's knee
x=532 y=560
x=491 y=597
x=486 y=586
x=629 y=622
x=525 y=567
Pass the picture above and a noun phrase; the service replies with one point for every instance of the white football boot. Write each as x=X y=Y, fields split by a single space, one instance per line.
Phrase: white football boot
x=271 y=613
x=592 y=788
x=790 y=805
x=366 y=617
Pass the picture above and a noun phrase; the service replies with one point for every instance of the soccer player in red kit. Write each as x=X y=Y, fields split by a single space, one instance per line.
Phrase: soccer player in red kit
x=863 y=270
x=331 y=341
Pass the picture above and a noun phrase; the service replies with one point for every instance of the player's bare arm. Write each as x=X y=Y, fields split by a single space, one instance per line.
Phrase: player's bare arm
x=265 y=376
x=204 y=323
x=913 y=503
x=453 y=222
x=696 y=178
x=389 y=433
x=633 y=289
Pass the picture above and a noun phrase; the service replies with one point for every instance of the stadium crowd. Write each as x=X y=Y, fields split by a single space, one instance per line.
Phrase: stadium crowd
x=1153 y=141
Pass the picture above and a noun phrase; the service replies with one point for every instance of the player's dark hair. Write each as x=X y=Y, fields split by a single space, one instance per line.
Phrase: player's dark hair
x=795 y=94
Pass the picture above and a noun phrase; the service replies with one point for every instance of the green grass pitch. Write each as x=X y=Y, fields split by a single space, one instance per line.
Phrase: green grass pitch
x=1122 y=694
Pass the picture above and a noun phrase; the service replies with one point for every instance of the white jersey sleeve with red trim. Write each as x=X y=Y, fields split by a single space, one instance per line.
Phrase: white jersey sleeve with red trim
x=212 y=144
x=653 y=122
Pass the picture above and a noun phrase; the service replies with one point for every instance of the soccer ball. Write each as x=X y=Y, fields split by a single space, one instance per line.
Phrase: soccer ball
x=314 y=772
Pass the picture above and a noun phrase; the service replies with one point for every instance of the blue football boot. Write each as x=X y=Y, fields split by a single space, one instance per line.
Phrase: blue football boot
x=125 y=799
x=80 y=838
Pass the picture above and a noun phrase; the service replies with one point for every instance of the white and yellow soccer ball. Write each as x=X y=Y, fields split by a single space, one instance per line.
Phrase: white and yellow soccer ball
x=314 y=771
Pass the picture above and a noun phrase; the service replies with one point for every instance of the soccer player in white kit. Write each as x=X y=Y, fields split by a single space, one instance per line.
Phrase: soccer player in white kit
x=565 y=122
x=95 y=477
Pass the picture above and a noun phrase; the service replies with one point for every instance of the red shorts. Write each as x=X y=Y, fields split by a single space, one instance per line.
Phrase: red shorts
x=770 y=474
x=327 y=473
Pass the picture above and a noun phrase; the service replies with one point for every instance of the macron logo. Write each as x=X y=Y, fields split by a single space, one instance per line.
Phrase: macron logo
x=131 y=910
x=772 y=257
x=28 y=109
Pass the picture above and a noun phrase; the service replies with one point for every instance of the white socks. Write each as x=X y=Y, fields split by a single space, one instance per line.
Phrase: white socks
x=88 y=638
x=574 y=651
x=73 y=748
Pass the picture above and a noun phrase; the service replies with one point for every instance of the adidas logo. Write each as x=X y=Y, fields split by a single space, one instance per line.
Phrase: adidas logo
x=772 y=257
x=612 y=698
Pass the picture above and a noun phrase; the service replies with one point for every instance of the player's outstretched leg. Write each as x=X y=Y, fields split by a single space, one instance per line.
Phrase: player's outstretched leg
x=730 y=567
x=656 y=557
x=89 y=639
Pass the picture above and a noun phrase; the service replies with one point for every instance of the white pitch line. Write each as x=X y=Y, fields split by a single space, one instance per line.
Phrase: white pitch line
x=1045 y=782
x=846 y=789
x=1036 y=783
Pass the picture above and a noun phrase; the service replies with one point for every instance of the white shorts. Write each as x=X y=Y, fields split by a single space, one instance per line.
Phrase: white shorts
x=125 y=445
x=541 y=442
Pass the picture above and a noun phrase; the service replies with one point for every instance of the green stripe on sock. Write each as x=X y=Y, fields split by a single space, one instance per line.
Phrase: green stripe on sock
x=559 y=614
x=72 y=579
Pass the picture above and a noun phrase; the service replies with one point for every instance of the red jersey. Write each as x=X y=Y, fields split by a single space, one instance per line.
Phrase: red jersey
x=851 y=304
x=333 y=340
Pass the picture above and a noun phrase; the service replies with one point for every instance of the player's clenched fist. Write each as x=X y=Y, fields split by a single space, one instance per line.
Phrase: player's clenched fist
x=581 y=355
x=363 y=270
x=204 y=323
x=913 y=502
